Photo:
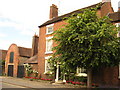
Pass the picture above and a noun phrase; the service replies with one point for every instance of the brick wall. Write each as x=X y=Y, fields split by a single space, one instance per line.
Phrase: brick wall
x=106 y=8
x=42 y=39
x=35 y=45
x=3 y=52
x=107 y=77
x=42 y=47
x=12 y=48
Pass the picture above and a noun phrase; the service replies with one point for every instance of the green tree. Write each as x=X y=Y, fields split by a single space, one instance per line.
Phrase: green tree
x=86 y=41
x=2 y=63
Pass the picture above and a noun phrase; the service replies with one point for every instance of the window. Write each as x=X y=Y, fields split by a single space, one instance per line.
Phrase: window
x=49 y=29
x=47 y=66
x=81 y=72
x=49 y=45
x=11 y=57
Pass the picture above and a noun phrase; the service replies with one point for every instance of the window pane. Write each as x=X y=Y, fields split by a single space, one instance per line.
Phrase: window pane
x=49 y=29
x=49 y=45
x=11 y=57
x=47 y=66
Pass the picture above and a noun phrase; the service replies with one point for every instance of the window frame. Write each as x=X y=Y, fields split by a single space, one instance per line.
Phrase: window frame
x=11 y=59
x=47 y=39
x=80 y=73
x=47 y=29
x=46 y=61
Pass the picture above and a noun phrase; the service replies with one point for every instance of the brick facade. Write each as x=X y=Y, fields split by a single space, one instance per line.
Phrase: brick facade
x=107 y=77
x=58 y=22
x=12 y=48
x=18 y=58
x=42 y=47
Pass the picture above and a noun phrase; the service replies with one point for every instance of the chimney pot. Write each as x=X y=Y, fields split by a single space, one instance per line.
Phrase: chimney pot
x=53 y=11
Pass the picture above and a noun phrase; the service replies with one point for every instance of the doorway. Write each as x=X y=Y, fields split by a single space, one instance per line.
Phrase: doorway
x=10 y=70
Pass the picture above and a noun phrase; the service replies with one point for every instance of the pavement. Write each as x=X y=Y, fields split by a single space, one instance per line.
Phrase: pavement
x=23 y=82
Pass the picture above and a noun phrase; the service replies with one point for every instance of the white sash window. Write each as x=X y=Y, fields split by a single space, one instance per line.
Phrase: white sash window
x=49 y=29
x=81 y=72
x=47 y=66
x=49 y=45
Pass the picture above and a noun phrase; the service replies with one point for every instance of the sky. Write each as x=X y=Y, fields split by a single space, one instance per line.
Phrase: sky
x=19 y=19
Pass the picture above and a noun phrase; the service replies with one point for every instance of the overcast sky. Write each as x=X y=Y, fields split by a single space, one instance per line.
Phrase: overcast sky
x=19 y=19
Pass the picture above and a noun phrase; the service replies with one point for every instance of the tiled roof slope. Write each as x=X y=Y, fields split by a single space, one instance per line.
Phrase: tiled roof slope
x=25 y=52
x=33 y=59
x=60 y=18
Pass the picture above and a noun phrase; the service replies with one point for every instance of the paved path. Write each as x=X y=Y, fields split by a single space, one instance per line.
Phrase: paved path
x=33 y=84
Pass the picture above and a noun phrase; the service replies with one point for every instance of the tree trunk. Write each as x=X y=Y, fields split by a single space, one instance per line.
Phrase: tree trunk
x=89 y=78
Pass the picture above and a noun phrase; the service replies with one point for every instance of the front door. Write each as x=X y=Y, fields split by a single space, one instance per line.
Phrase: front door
x=10 y=70
x=20 y=72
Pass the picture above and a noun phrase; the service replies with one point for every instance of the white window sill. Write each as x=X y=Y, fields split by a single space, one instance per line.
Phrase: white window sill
x=81 y=74
x=49 y=33
x=50 y=52
x=10 y=63
x=119 y=77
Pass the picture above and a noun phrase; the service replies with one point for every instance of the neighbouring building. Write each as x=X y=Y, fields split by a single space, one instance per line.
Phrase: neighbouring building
x=15 y=58
x=55 y=22
x=2 y=58
x=109 y=76
x=33 y=60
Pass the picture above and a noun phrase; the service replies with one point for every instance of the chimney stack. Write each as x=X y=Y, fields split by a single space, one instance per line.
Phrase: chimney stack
x=53 y=11
x=119 y=6
x=106 y=1
x=35 y=45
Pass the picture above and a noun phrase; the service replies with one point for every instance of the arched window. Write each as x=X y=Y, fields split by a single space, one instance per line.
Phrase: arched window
x=11 y=57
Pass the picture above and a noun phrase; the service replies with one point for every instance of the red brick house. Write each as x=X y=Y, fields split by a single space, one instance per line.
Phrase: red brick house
x=2 y=57
x=53 y=24
x=109 y=76
x=15 y=58
x=18 y=56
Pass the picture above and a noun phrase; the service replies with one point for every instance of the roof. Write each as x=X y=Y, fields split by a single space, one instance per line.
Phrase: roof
x=32 y=60
x=115 y=16
x=60 y=18
x=25 y=52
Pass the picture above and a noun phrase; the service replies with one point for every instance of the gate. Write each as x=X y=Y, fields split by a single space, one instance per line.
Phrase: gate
x=10 y=70
x=20 y=72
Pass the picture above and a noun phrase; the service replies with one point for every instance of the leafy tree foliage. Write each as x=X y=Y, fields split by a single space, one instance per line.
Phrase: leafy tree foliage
x=87 y=41
x=2 y=62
